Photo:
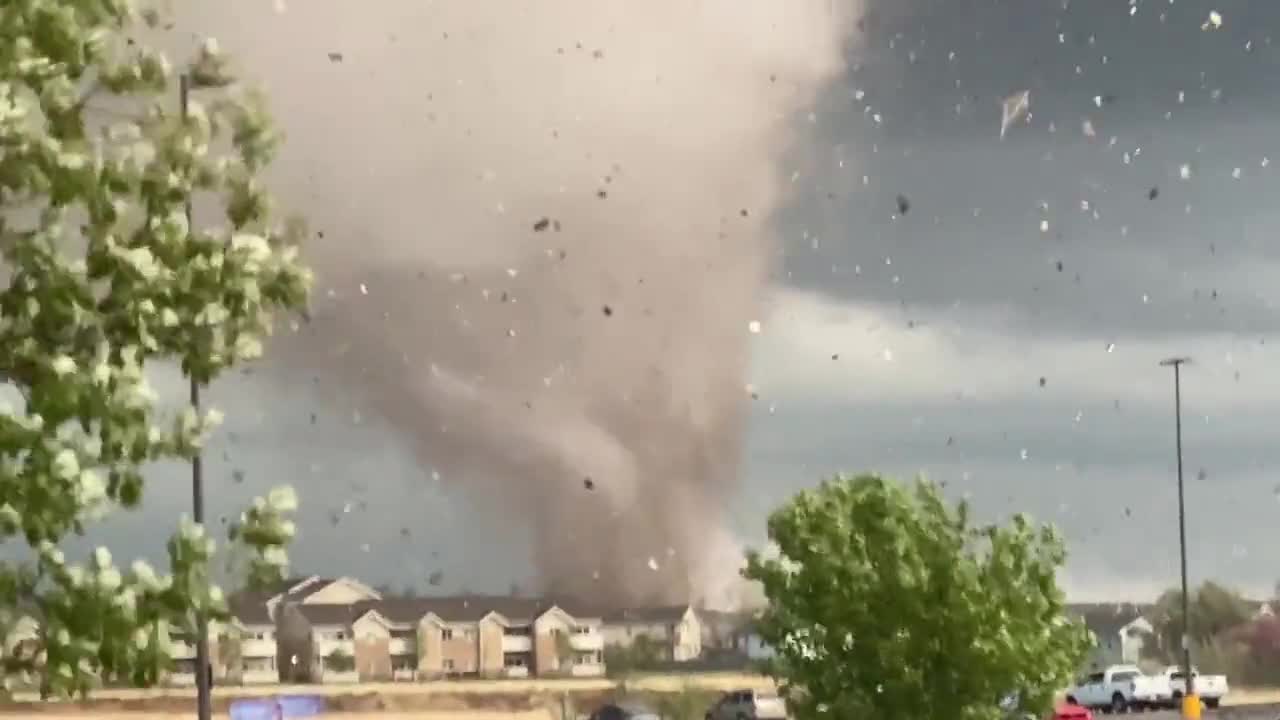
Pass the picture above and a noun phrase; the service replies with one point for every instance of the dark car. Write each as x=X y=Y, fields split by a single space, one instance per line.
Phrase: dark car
x=625 y=711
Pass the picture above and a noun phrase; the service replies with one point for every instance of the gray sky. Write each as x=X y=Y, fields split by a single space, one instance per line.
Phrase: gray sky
x=961 y=339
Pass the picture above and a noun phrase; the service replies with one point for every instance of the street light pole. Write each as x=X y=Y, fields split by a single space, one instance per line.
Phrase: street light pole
x=1191 y=703
x=204 y=675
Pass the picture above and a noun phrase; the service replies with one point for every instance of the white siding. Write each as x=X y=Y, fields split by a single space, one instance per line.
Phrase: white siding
x=368 y=627
x=687 y=644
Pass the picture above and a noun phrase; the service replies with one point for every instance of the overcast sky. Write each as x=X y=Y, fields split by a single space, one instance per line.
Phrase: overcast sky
x=1001 y=335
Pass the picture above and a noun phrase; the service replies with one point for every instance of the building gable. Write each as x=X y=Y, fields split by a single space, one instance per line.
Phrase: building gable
x=342 y=591
x=553 y=618
x=371 y=625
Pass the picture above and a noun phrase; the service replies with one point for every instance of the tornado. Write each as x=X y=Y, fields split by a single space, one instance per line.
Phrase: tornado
x=543 y=232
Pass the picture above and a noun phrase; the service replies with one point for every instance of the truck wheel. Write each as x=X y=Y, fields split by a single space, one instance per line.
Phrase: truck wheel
x=1211 y=703
x=1118 y=704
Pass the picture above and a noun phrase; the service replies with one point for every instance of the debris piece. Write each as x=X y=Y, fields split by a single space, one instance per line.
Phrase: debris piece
x=1013 y=109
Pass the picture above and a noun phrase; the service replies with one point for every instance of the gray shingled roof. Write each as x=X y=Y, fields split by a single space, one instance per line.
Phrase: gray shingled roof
x=656 y=614
x=460 y=608
x=324 y=614
x=1107 y=618
x=250 y=608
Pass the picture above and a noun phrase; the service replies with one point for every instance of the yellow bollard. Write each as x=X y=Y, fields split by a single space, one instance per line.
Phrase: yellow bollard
x=1191 y=707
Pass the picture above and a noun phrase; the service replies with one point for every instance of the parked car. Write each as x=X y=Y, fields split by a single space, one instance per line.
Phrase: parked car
x=1210 y=688
x=1069 y=711
x=625 y=711
x=748 y=705
x=1011 y=706
x=1120 y=688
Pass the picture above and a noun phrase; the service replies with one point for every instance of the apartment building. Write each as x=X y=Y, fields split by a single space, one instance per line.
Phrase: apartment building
x=246 y=651
x=676 y=628
x=335 y=630
x=431 y=638
x=249 y=651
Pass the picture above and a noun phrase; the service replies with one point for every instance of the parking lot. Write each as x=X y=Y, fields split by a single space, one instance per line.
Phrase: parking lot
x=1242 y=712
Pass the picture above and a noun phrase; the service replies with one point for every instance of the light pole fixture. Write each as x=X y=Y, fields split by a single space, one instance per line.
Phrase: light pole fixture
x=204 y=668
x=1190 y=701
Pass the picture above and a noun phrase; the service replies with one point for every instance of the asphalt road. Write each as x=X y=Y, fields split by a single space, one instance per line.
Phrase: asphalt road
x=1242 y=712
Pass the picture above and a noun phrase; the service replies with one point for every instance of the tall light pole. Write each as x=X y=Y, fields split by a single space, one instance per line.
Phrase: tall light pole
x=204 y=672
x=1190 y=702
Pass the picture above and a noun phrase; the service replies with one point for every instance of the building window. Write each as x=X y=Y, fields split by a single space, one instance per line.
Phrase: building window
x=447 y=664
x=446 y=634
x=469 y=634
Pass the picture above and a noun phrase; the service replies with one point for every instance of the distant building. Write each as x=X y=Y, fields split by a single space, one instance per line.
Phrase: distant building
x=1121 y=631
x=677 y=628
x=368 y=638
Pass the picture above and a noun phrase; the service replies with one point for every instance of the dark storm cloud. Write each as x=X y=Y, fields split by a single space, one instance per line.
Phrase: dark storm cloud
x=920 y=124
x=1107 y=481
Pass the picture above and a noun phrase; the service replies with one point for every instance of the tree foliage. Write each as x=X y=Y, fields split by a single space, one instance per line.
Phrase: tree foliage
x=1214 y=609
x=338 y=660
x=643 y=653
x=886 y=601
x=106 y=276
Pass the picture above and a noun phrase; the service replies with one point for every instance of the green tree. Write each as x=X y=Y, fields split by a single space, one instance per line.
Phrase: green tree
x=339 y=661
x=886 y=601
x=106 y=276
x=1214 y=609
x=644 y=653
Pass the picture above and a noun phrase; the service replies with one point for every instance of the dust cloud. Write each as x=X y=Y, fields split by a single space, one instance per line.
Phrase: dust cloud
x=545 y=231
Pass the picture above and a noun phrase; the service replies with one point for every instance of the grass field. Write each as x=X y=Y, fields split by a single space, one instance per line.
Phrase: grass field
x=650 y=683
x=460 y=700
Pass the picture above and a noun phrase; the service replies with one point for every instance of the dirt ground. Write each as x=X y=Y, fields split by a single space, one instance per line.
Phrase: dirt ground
x=460 y=700
x=651 y=683
x=1253 y=696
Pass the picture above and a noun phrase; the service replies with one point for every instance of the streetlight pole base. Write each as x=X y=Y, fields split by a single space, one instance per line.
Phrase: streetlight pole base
x=1191 y=707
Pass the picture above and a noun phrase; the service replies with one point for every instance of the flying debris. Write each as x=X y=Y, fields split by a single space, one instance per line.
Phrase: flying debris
x=1013 y=109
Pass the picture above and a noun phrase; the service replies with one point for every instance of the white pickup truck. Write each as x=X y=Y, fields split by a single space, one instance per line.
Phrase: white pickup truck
x=1120 y=688
x=1210 y=688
